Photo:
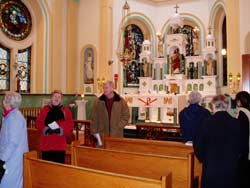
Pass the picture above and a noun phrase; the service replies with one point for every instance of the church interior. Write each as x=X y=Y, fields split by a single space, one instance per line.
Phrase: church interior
x=155 y=51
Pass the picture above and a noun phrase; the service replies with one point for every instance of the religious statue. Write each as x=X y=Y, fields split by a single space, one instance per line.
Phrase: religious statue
x=160 y=45
x=210 y=66
x=89 y=70
x=176 y=62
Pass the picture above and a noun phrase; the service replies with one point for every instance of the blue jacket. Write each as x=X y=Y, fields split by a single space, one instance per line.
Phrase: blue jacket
x=190 y=119
x=13 y=144
x=218 y=146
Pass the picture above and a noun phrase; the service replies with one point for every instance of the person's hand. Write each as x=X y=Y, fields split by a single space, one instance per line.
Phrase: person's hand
x=47 y=131
x=2 y=169
x=58 y=131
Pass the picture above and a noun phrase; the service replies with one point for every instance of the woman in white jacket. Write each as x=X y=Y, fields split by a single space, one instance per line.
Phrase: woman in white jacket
x=13 y=142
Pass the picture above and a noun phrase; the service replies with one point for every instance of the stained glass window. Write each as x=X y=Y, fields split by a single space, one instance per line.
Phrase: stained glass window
x=23 y=70
x=15 y=19
x=188 y=30
x=133 y=38
x=4 y=68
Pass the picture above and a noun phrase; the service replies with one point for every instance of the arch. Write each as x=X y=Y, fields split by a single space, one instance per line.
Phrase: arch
x=247 y=43
x=216 y=19
x=192 y=20
x=144 y=23
x=37 y=40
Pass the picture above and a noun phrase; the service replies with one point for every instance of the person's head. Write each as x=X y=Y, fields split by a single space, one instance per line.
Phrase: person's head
x=108 y=89
x=243 y=99
x=194 y=97
x=56 y=97
x=220 y=103
x=11 y=100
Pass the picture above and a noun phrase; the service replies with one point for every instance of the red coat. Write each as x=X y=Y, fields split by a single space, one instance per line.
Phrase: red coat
x=54 y=142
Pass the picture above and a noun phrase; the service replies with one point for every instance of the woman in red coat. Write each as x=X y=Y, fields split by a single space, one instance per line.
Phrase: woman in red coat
x=54 y=122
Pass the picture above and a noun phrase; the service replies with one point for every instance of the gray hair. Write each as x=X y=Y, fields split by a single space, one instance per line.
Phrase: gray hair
x=220 y=103
x=110 y=83
x=14 y=99
x=194 y=97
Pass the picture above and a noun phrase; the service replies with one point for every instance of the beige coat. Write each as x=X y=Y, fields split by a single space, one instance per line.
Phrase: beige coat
x=119 y=117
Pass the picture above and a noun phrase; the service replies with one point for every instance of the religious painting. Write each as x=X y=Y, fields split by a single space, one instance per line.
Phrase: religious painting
x=133 y=38
x=189 y=31
x=88 y=58
x=15 y=19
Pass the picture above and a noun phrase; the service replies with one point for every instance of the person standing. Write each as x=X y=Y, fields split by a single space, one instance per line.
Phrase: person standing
x=243 y=103
x=13 y=142
x=218 y=145
x=192 y=116
x=110 y=113
x=54 y=122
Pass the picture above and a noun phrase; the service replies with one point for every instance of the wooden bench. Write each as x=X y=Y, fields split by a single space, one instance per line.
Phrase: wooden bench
x=44 y=174
x=168 y=148
x=34 y=140
x=136 y=164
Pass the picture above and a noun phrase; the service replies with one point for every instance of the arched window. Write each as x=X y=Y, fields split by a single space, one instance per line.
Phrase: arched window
x=4 y=68
x=23 y=70
x=133 y=38
x=224 y=46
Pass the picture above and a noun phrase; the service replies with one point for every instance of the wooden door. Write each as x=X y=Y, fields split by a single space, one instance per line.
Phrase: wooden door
x=246 y=72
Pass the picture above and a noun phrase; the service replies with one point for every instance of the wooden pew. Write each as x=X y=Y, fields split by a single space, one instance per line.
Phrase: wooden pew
x=44 y=174
x=168 y=148
x=34 y=140
x=136 y=164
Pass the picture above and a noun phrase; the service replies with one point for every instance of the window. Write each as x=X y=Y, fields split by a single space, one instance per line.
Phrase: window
x=23 y=70
x=133 y=38
x=188 y=30
x=4 y=68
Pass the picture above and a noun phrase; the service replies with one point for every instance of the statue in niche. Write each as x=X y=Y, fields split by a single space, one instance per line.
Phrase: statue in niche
x=160 y=45
x=191 y=70
x=89 y=69
x=210 y=63
x=176 y=61
x=145 y=67
x=195 y=45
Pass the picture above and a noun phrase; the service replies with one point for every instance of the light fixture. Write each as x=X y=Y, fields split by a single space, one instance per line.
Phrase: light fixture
x=223 y=52
x=123 y=54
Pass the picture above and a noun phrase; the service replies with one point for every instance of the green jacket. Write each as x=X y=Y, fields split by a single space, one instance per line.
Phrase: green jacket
x=119 y=117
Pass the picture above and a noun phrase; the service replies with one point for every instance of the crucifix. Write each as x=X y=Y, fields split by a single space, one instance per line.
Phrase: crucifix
x=176 y=8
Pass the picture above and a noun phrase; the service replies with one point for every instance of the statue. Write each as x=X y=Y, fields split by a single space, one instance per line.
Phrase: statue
x=176 y=62
x=89 y=70
x=160 y=45
x=210 y=66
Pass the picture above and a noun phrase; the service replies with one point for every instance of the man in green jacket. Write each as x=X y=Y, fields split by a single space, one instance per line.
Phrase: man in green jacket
x=110 y=113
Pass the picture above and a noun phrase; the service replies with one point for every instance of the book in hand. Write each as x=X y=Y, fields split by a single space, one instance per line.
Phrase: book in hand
x=53 y=125
x=189 y=143
x=98 y=138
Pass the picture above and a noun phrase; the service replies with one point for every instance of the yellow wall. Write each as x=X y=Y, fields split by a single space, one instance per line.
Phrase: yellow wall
x=233 y=36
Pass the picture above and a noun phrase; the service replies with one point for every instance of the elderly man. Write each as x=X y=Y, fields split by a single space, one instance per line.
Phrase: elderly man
x=110 y=113
x=192 y=116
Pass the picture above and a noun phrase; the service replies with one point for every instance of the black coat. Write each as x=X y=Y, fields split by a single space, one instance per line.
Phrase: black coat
x=190 y=119
x=218 y=145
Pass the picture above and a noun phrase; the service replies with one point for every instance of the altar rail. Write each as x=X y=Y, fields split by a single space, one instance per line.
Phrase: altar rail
x=40 y=173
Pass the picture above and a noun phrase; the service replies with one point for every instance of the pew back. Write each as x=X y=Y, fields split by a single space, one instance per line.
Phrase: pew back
x=41 y=174
x=136 y=164
x=168 y=148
